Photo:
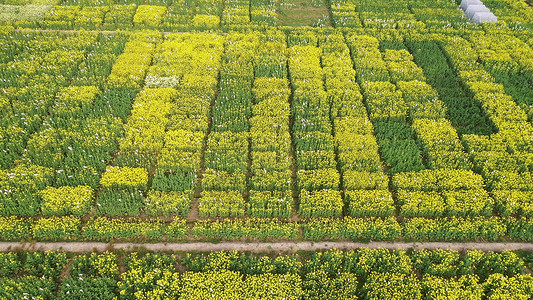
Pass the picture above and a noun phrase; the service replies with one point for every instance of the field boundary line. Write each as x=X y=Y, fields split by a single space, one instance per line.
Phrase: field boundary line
x=259 y=247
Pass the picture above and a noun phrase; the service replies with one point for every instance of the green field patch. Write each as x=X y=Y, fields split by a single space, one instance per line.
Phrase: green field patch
x=303 y=13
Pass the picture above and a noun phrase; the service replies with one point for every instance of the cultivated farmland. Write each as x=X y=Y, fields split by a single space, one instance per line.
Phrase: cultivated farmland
x=266 y=121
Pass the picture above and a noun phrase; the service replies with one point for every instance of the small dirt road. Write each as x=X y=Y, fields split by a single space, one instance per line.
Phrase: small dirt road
x=255 y=247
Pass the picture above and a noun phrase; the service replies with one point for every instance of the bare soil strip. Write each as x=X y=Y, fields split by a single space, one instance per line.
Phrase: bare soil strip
x=255 y=247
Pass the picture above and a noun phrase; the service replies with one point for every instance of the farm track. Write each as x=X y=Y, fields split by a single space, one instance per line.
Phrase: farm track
x=260 y=247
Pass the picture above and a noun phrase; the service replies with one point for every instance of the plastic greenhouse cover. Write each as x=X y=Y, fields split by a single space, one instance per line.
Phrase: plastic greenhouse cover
x=481 y=17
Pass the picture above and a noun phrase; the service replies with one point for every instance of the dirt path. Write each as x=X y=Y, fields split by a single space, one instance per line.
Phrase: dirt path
x=257 y=247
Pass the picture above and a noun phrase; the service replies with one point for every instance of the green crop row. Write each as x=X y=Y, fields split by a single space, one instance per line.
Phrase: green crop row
x=316 y=229
x=332 y=274
x=270 y=139
x=387 y=107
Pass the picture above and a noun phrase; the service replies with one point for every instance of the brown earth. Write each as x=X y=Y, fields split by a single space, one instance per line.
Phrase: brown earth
x=256 y=247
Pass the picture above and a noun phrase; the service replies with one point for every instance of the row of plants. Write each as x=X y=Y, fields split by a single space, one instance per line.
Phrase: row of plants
x=356 y=145
x=77 y=135
x=434 y=16
x=438 y=180
x=516 y=14
x=205 y=15
x=316 y=229
x=344 y=14
x=131 y=66
x=144 y=131
x=448 y=229
x=500 y=108
x=105 y=229
x=270 y=138
x=106 y=16
x=439 y=138
x=386 y=105
x=183 y=15
x=235 y=14
x=271 y=60
x=462 y=110
x=264 y=12
x=330 y=274
x=190 y=64
x=439 y=262
x=502 y=158
x=33 y=58
x=158 y=132
x=448 y=203
x=66 y=17
x=489 y=153
x=124 y=183
x=438 y=15
x=219 y=285
x=254 y=228
x=317 y=177
x=110 y=2
x=508 y=64
x=37 y=116
x=442 y=146
x=401 y=286
x=362 y=262
x=149 y=16
x=380 y=15
x=227 y=152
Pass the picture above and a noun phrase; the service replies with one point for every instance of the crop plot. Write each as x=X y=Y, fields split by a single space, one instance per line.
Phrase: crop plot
x=261 y=121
